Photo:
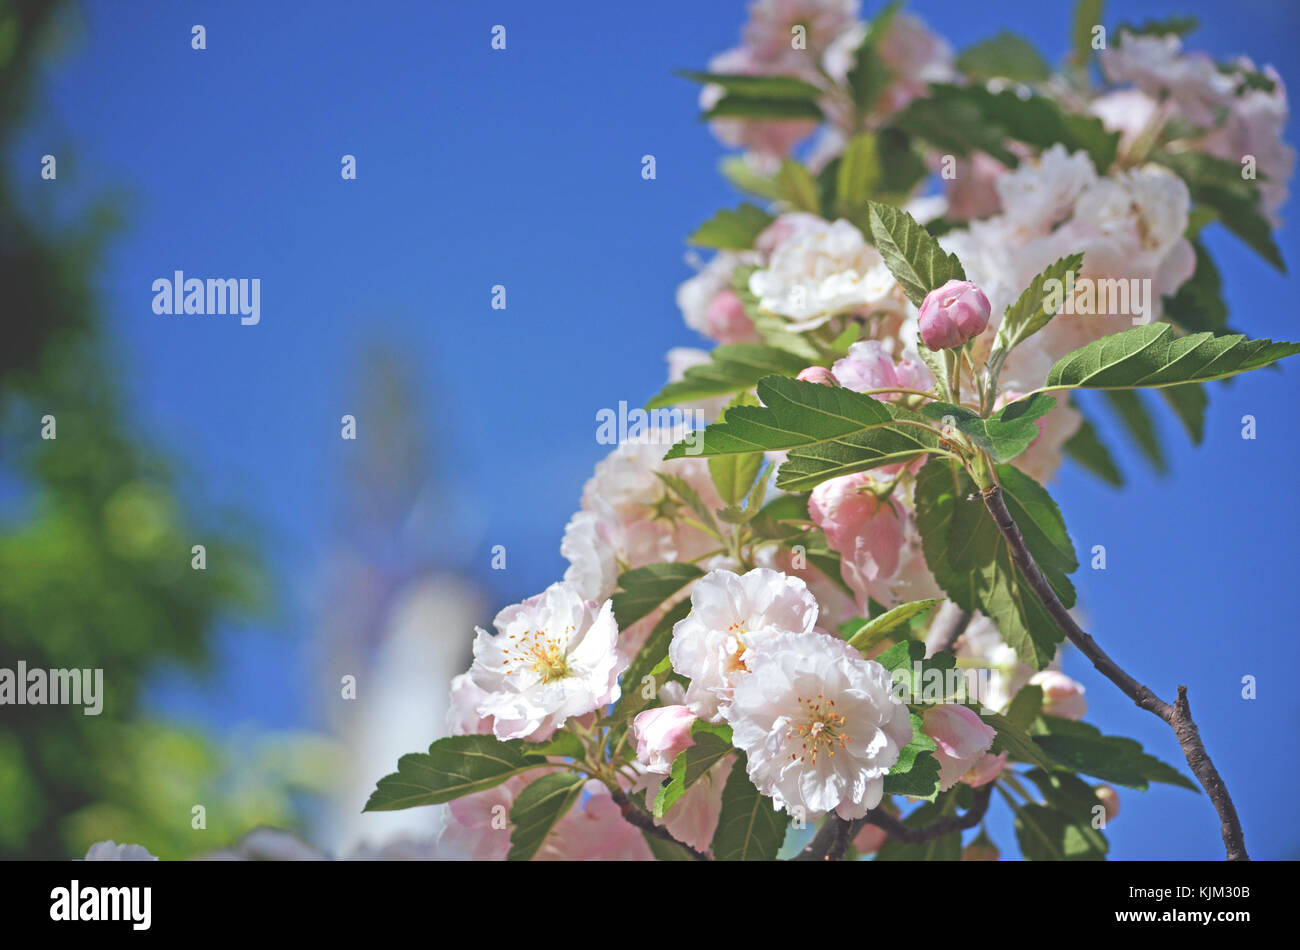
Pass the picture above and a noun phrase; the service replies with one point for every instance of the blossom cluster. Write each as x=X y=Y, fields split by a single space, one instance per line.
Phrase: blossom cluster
x=747 y=667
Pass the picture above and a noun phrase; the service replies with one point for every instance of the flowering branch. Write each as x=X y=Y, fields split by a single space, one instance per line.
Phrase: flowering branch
x=1178 y=715
x=638 y=818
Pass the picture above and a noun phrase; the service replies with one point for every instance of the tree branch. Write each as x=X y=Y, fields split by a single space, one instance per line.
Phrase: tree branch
x=833 y=837
x=635 y=816
x=1178 y=715
x=938 y=828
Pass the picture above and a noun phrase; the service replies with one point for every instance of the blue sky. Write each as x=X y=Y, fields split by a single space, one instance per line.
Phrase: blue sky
x=478 y=167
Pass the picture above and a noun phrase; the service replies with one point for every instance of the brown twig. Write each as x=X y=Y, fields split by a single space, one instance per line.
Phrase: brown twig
x=833 y=837
x=635 y=816
x=1178 y=715
x=937 y=828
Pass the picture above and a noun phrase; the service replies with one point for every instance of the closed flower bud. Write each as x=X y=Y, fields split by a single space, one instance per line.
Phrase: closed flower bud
x=661 y=734
x=1110 y=799
x=1062 y=696
x=952 y=314
x=818 y=374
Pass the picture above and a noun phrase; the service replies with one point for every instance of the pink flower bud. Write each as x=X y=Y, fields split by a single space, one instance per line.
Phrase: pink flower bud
x=727 y=321
x=661 y=734
x=962 y=739
x=1109 y=799
x=1062 y=696
x=952 y=314
x=818 y=374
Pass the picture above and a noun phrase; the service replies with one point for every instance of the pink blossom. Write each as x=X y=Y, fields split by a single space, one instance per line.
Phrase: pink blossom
x=987 y=768
x=952 y=314
x=1062 y=696
x=595 y=831
x=962 y=739
x=661 y=734
x=868 y=533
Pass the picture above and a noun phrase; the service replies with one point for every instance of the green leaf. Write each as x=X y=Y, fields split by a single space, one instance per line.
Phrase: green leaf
x=796 y=185
x=734 y=367
x=828 y=431
x=901 y=167
x=1013 y=739
x=749 y=828
x=1087 y=14
x=734 y=230
x=734 y=474
x=972 y=562
x=1133 y=413
x=1086 y=448
x=985 y=119
x=916 y=772
x=1080 y=747
x=1188 y=403
x=915 y=259
x=1035 y=308
x=920 y=679
x=737 y=170
x=1198 y=305
x=454 y=766
x=1046 y=834
x=1176 y=25
x=873 y=631
x=539 y=806
x=868 y=77
x=756 y=87
x=1217 y=184
x=955 y=125
x=752 y=107
x=1025 y=707
x=1005 y=56
x=1006 y=433
x=1071 y=833
x=645 y=588
x=563 y=744
x=858 y=178
x=691 y=498
x=690 y=765
x=1154 y=355
x=664 y=850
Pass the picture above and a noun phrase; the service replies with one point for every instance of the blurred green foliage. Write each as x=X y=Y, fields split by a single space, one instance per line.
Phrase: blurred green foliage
x=95 y=556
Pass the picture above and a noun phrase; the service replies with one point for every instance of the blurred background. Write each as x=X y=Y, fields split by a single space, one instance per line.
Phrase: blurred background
x=372 y=558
